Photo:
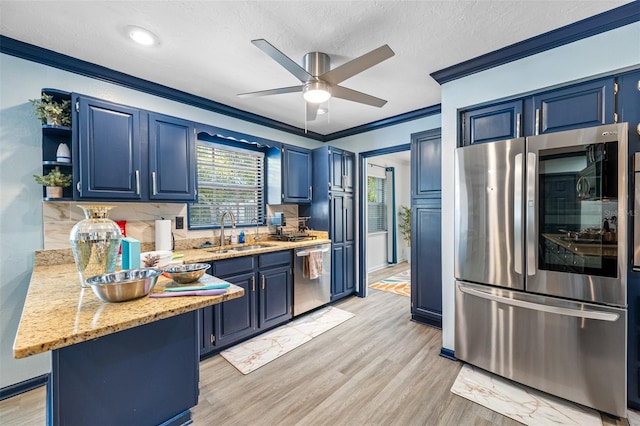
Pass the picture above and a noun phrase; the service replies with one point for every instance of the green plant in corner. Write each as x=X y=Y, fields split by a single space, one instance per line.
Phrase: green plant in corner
x=54 y=178
x=52 y=112
x=404 y=223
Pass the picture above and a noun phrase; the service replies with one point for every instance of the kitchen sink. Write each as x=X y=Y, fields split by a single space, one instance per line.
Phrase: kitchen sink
x=254 y=247
x=237 y=249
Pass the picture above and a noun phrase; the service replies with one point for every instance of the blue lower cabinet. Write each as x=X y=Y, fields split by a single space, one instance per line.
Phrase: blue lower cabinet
x=349 y=269
x=342 y=270
x=426 y=269
x=145 y=375
x=268 y=297
x=236 y=319
x=275 y=296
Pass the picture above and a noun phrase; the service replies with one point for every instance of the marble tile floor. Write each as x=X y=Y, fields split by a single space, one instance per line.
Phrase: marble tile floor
x=254 y=353
x=521 y=403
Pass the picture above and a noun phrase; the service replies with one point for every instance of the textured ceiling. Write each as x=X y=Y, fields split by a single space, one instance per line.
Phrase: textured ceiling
x=206 y=46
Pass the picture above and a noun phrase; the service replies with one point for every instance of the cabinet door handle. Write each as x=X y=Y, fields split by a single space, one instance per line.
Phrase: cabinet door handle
x=263 y=282
x=310 y=193
x=153 y=183
x=518 y=121
x=253 y=283
x=78 y=186
x=537 y=121
x=137 y=182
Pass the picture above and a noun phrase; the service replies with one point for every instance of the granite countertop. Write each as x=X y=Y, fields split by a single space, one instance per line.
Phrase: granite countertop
x=57 y=312
x=209 y=254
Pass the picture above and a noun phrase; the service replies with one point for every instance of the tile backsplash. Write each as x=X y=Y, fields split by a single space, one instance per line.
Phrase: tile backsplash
x=60 y=217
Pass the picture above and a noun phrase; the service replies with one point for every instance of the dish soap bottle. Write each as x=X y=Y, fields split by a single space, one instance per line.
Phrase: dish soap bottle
x=241 y=237
x=234 y=237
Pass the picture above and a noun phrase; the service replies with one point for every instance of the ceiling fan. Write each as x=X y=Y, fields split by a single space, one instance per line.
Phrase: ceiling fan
x=320 y=82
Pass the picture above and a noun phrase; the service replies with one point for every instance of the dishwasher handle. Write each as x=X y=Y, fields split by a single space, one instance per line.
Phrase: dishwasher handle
x=305 y=253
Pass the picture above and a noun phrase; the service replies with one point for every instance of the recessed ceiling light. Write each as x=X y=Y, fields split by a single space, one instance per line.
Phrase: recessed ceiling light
x=142 y=36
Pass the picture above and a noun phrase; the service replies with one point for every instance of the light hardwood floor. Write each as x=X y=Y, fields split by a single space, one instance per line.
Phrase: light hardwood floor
x=387 y=272
x=378 y=368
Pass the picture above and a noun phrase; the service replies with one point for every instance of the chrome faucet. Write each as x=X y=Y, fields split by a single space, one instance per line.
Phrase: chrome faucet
x=233 y=225
x=257 y=238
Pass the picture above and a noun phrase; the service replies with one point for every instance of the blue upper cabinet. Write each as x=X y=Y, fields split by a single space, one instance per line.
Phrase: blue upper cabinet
x=572 y=107
x=172 y=159
x=296 y=175
x=130 y=154
x=341 y=165
x=492 y=123
x=426 y=164
x=108 y=150
x=582 y=105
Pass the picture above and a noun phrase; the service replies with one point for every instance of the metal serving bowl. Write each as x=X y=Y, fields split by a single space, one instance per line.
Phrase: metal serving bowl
x=124 y=285
x=188 y=273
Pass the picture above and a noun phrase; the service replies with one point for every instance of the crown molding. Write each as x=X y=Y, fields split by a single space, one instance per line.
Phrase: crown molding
x=606 y=21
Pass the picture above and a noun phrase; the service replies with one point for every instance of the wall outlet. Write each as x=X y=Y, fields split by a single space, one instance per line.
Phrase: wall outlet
x=179 y=222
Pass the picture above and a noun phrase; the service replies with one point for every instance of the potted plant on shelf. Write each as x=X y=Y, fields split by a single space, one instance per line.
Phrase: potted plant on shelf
x=404 y=224
x=55 y=180
x=52 y=112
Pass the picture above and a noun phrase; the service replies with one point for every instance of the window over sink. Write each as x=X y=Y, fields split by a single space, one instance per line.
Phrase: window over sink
x=229 y=179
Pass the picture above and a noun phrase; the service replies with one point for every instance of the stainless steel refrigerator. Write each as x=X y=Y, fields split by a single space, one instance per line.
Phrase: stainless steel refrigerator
x=541 y=262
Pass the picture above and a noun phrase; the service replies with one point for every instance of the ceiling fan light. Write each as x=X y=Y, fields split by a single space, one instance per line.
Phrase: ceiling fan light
x=316 y=92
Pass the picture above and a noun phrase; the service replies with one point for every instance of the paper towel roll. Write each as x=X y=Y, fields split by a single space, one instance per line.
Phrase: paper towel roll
x=163 y=235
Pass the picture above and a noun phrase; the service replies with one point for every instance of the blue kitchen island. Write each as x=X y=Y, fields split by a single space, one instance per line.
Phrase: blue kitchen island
x=130 y=363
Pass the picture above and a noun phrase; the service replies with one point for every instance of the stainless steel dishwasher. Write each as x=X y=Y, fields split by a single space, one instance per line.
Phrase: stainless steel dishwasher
x=311 y=278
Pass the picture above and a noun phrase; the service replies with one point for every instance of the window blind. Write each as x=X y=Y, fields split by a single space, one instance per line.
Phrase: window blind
x=229 y=179
x=376 y=204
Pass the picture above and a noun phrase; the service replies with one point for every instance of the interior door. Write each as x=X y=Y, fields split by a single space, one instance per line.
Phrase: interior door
x=489 y=213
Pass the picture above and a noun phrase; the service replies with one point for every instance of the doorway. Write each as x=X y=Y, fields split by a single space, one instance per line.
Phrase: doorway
x=385 y=182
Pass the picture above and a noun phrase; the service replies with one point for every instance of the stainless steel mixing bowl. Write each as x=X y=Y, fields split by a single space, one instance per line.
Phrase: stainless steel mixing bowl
x=124 y=285
x=188 y=273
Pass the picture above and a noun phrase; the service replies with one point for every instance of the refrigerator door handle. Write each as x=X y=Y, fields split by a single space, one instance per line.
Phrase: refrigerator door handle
x=579 y=313
x=517 y=215
x=531 y=214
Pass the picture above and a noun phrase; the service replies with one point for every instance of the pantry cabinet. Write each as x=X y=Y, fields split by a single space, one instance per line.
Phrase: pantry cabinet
x=426 y=221
x=333 y=210
x=342 y=238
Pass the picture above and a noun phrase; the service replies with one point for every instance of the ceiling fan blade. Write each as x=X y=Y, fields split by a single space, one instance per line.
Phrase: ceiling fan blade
x=357 y=65
x=278 y=91
x=283 y=60
x=355 y=96
x=312 y=111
